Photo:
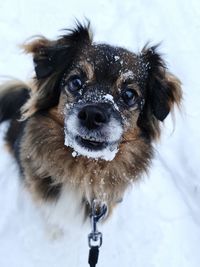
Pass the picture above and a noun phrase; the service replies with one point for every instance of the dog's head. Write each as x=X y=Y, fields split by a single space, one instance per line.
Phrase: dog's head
x=104 y=95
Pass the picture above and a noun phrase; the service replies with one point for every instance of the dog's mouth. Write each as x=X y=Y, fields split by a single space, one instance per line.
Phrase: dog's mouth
x=91 y=143
x=91 y=147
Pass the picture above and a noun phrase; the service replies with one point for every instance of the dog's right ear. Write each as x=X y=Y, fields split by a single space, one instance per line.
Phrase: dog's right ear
x=51 y=60
x=42 y=49
x=49 y=55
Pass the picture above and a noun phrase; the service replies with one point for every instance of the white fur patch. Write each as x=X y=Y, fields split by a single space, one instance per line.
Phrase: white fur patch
x=110 y=98
x=64 y=214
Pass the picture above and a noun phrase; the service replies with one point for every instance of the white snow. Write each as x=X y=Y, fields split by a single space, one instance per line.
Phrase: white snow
x=74 y=153
x=107 y=153
x=158 y=223
x=116 y=58
x=110 y=98
x=128 y=74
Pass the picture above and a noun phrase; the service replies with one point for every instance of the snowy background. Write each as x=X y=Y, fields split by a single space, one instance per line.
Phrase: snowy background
x=158 y=223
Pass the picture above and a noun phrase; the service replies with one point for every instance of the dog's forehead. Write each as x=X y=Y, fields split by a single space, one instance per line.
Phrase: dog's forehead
x=110 y=58
x=109 y=62
x=110 y=54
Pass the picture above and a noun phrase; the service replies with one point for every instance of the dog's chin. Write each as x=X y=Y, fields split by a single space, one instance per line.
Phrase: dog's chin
x=92 y=148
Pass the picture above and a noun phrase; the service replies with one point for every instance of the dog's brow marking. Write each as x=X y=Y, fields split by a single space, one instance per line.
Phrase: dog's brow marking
x=123 y=77
x=88 y=68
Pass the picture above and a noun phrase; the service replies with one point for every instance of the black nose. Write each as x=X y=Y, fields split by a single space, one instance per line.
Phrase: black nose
x=93 y=116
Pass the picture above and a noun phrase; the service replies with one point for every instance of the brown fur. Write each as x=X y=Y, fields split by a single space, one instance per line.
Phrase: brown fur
x=44 y=155
x=46 y=163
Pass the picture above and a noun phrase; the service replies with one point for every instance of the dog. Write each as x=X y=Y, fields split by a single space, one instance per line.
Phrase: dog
x=84 y=127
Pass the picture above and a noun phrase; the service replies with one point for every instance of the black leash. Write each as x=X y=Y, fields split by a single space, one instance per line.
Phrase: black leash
x=95 y=238
x=93 y=256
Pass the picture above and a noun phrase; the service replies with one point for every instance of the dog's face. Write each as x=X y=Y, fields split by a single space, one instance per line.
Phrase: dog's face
x=102 y=96
x=105 y=95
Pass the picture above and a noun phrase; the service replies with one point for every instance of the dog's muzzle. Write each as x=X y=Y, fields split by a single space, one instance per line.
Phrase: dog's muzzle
x=93 y=118
x=93 y=130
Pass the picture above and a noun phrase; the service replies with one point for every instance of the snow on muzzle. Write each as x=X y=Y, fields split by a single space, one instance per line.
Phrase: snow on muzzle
x=93 y=130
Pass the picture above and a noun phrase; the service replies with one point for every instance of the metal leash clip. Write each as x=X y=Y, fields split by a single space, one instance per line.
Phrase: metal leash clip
x=98 y=212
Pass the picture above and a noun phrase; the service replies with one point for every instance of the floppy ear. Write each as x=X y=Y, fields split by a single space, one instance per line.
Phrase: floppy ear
x=51 y=60
x=49 y=56
x=43 y=58
x=163 y=89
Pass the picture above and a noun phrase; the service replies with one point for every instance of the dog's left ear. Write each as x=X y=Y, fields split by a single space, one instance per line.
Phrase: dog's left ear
x=46 y=55
x=163 y=89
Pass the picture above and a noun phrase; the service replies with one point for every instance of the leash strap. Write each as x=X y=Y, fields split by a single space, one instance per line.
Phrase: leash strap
x=93 y=256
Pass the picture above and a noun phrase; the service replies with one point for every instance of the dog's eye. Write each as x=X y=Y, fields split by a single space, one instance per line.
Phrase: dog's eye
x=74 y=84
x=129 y=96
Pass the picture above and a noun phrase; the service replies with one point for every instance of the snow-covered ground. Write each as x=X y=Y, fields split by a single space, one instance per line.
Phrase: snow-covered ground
x=158 y=223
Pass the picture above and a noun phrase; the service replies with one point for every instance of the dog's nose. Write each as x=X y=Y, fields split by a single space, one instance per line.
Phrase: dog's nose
x=93 y=116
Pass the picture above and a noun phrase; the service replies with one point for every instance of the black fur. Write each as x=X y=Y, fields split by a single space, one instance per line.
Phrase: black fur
x=158 y=90
x=11 y=102
x=47 y=189
x=59 y=55
x=78 y=35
